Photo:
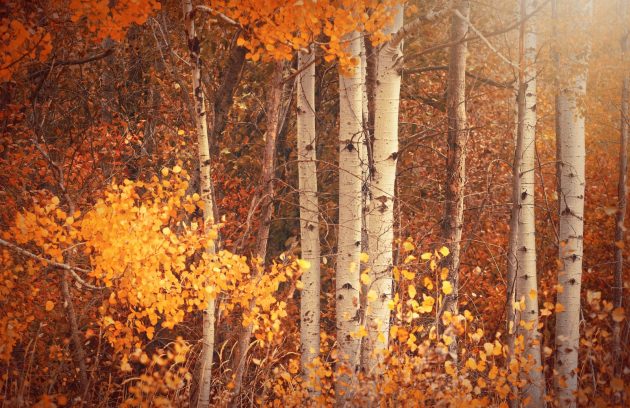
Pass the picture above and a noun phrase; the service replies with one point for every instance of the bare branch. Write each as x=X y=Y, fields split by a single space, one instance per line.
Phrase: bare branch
x=484 y=39
x=72 y=269
x=475 y=37
x=413 y=26
x=218 y=14
x=484 y=80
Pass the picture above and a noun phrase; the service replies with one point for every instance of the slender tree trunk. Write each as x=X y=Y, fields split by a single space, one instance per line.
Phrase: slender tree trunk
x=274 y=103
x=513 y=241
x=382 y=183
x=526 y=277
x=556 y=78
x=349 y=236
x=453 y=221
x=79 y=352
x=365 y=156
x=309 y=216
x=206 y=192
x=571 y=196
x=364 y=153
x=622 y=191
x=224 y=96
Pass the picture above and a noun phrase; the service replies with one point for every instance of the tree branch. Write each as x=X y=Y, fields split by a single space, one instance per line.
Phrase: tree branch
x=413 y=26
x=80 y=61
x=219 y=14
x=475 y=37
x=484 y=39
x=484 y=80
x=72 y=269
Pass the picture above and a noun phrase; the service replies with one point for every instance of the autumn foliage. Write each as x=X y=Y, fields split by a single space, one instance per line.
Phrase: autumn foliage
x=104 y=268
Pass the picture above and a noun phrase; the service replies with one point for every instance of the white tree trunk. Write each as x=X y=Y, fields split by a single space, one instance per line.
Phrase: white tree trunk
x=381 y=207
x=526 y=277
x=309 y=214
x=349 y=236
x=571 y=196
x=205 y=185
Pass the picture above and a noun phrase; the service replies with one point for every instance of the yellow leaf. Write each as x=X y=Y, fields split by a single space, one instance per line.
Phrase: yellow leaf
x=408 y=274
x=493 y=373
x=177 y=169
x=428 y=283
x=559 y=308
x=412 y=291
x=365 y=279
x=299 y=285
x=426 y=256
x=448 y=367
x=372 y=296
x=489 y=348
x=618 y=314
x=444 y=251
x=364 y=257
x=532 y=294
x=447 y=288
x=180 y=132
x=303 y=264
x=49 y=306
x=471 y=363
x=166 y=231
x=408 y=246
x=361 y=332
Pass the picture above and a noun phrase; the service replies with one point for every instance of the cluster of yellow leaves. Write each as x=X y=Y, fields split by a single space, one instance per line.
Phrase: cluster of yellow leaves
x=275 y=29
x=145 y=244
x=15 y=320
x=45 y=227
x=165 y=374
x=141 y=246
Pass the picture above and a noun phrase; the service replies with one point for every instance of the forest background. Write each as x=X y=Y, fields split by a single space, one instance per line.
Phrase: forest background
x=237 y=203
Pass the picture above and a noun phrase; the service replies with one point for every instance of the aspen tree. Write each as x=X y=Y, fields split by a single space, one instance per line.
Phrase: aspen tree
x=453 y=221
x=274 y=104
x=349 y=236
x=382 y=183
x=205 y=186
x=309 y=213
x=571 y=195
x=526 y=287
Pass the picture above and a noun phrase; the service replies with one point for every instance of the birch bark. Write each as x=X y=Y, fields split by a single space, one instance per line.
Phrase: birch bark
x=349 y=236
x=571 y=195
x=526 y=277
x=205 y=185
x=309 y=214
x=381 y=207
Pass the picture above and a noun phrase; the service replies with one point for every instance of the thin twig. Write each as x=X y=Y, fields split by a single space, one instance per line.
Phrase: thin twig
x=484 y=39
x=72 y=269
